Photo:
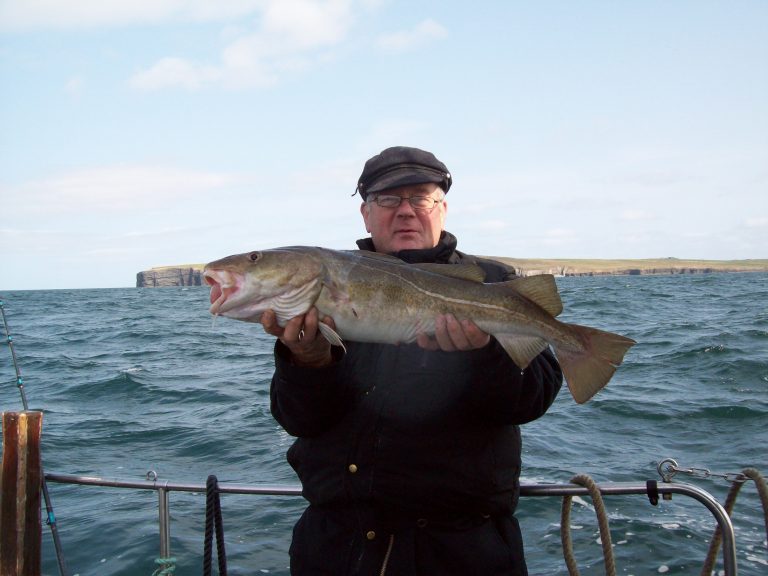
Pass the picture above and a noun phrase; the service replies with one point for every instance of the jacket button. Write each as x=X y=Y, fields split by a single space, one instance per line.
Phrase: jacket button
x=370 y=534
x=352 y=468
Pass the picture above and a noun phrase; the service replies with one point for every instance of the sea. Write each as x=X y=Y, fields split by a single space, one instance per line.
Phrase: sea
x=142 y=379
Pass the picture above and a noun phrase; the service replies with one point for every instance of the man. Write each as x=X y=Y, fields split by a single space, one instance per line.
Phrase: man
x=408 y=455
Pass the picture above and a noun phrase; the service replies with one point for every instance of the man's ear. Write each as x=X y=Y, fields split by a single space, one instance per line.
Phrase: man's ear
x=365 y=210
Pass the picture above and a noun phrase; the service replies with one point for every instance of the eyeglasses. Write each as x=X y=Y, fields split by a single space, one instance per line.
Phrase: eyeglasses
x=419 y=203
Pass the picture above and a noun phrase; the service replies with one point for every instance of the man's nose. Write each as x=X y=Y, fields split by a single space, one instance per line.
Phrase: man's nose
x=405 y=208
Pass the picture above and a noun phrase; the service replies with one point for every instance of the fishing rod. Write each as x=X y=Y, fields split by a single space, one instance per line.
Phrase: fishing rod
x=51 y=517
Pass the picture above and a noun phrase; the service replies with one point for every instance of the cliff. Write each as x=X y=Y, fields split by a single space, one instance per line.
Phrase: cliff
x=191 y=274
x=634 y=267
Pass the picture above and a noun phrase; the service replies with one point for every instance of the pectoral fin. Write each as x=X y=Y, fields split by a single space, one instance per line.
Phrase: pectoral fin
x=521 y=349
x=331 y=335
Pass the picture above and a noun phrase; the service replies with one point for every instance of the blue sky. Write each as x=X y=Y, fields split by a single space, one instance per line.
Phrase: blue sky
x=138 y=133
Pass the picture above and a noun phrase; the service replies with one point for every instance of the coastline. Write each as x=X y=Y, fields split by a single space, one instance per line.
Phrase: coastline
x=631 y=267
x=191 y=274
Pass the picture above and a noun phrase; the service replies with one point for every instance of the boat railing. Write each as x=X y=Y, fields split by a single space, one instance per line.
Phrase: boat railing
x=651 y=490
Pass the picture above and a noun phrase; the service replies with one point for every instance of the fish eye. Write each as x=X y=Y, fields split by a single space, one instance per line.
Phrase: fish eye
x=254 y=256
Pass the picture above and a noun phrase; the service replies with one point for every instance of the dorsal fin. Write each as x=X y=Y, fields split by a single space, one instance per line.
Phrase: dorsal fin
x=471 y=272
x=541 y=290
x=377 y=256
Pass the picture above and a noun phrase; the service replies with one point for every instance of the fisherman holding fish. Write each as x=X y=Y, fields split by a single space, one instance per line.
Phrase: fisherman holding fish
x=404 y=370
x=409 y=455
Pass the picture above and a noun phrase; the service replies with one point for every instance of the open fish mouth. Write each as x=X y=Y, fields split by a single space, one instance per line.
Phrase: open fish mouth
x=223 y=285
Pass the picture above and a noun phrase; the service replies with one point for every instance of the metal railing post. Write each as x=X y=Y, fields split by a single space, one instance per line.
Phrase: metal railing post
x=164 y=512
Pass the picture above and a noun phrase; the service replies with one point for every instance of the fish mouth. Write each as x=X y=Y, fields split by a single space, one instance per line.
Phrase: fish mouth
x=224 y=285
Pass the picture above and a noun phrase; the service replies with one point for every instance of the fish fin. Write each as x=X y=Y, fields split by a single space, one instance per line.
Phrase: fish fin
x=378 y=256
x=331 y=335
x=471 y=272
x=588 y=371
x=541 y=290
x=522 y=349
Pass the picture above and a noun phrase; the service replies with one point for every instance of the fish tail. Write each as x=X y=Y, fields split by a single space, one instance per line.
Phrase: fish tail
x=588 y=370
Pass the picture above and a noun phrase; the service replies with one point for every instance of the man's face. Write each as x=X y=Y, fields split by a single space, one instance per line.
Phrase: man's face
x=403 y=227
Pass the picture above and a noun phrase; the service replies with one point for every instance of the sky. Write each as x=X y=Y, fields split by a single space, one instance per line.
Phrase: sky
x=142 y=133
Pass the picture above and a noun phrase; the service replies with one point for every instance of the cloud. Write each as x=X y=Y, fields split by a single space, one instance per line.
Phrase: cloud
x=169 y=72
x=636 y=215
x=124 y=188
x=756 y=222
x=292 y=35
x=405 y=40
x=306 y=24
x=489 y=225
x=56 y=14
x=29 y=239
x=391 y=131
x=74 y=86
x=558 y=237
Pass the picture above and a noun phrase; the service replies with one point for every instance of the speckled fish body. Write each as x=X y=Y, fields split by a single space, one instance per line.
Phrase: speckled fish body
x=378 y=298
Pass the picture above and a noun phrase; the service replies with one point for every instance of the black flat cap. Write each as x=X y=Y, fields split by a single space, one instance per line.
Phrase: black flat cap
x=402 y=166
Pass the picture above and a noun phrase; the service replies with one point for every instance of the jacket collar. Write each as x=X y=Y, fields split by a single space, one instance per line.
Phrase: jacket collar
x=443 y=253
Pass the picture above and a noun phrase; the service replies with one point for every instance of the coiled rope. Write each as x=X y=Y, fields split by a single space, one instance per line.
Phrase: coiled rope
x=213 y=523
x=167 y=566
x=762 y=490
x=602 y=520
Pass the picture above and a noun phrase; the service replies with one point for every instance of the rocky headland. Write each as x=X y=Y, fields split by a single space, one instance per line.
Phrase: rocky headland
x=191 y=274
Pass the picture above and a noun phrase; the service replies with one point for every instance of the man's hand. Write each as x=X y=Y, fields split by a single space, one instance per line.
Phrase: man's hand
x=302 y=337
x=451 y=335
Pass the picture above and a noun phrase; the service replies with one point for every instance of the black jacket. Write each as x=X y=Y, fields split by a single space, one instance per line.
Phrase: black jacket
x=421 y=447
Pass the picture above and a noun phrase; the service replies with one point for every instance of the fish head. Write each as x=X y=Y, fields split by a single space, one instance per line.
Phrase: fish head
x=244 y=286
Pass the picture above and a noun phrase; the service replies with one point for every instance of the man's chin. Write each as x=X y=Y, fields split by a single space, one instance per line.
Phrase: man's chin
x=408 y=242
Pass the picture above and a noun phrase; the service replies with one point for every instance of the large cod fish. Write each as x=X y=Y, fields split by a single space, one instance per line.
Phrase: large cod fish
x=374 y=297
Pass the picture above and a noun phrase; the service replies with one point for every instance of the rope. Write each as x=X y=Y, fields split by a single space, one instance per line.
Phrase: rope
x=762 y=490
x=213 y=523
x=167 y=566
x=602 y=520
